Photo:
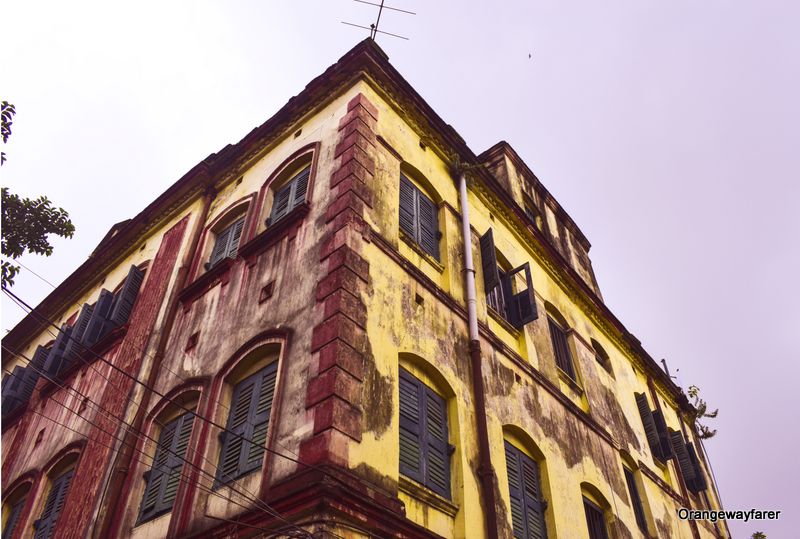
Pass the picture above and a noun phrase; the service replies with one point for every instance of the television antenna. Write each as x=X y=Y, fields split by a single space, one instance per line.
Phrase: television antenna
x=373 y=28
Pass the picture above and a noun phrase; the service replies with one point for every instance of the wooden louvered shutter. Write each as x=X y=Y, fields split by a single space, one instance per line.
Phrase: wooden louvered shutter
x=636 y=501
x=300 y=187
x=123 y=305
x=428 y=219
x=46 y=524
x=177 y=455
x=682 y=456
x=521 y=306
x=233 y=444
x=220 y=249
x=649 y=425
x=12 y=390
x=159 y=471
x=408 y=207
x=13 y=519
x=280 y=204
x=491 y=277
x=99 y=324
x=75 y=345
x=258 y=424
x=561 y=348
x=664 y=444
x=234 y=238
x=55 y=358
x=437 y=451
x=699 y=483
x=411 y=452
x=527 y=511
x=595 y=520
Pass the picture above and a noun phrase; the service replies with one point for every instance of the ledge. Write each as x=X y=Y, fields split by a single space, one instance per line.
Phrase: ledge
x=206 y=281
x=274 y=233
x=497 y=317
x=413 y=245
x=572 y=383
x=422 y=494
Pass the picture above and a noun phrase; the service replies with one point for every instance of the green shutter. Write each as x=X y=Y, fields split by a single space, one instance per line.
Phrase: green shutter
x=521 y=306
x=682 y=456
x=13 y=519
x=46 y=524
x=300 y=188
x=636 y=501
x=595 y=520
x=234 y=238
x=527 y=509
x=410 y=411
x=428 y=229
x=123 y=305
x=650 y=430
x=561 y=348
x=491 y=277
x=259 y=420
x=99 y=324
x=698 y=484
x=437 y=476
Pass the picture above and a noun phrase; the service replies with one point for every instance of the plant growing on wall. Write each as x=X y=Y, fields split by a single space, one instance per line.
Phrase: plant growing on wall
x=701 y=411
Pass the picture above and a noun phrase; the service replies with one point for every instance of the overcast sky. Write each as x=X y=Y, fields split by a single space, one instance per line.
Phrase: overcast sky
x=668 y=131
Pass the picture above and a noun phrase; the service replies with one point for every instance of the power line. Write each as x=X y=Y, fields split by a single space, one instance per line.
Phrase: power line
x=15 y=261
x=140 y=435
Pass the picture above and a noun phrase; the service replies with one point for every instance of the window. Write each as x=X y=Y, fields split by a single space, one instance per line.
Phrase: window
x=655 y=429
x=595 y=520
x=510 y=293
x=636 y=500
x=527 y=507
x=46 y=524
x=243 y=442
x=226 y=244
x=289 y=196
x=558 y=336
x=15 y=505
x=419 y=218
x=164 y=476
x=424 y=448
x=686 y=459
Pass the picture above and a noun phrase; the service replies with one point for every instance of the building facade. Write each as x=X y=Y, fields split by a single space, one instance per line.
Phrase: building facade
x=292 y=341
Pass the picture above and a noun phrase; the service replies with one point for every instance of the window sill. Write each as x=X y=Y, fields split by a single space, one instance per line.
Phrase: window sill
x=418 y=250
x=275 y=232
x=422 y=494
x=503 y=322
x=567 y=379
x=206 y=281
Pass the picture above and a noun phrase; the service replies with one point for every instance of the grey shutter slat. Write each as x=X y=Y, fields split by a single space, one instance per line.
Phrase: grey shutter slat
x=13 y=519
x=698 y=484
x=491 y=277
x=156 y=479
x=11 y=391
x=663 y=435
x=527 y=511
x=55 y=359
x=561 y=348
x=649 y=425
x=235 y=236
x=636 y=501
x=682 y=456
x=300 y=187
x=123 y=306
x=280 y=204
x=595 y=520
x=437 y=476
x=410 y=415
x=408 y=206
x=75 y=345
x=261 y=409
x=518 y=521
x=220 y=249
x=175 y=463
x=232 y=462
x=99 y=324
x=428 y=225
x=522 y=305
x=46 y=524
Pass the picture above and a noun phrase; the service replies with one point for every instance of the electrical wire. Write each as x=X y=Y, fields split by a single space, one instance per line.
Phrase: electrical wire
x=139 y=434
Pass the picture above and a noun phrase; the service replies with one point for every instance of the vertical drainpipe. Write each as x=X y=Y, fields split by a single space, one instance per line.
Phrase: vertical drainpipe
x=485 y=469
x=115 y=506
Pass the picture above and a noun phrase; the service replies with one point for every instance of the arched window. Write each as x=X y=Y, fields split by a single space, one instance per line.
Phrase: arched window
x=419 y=215
x=524 y=489
x=601 y=356
x=509 y=292
x=13 y=506
x=558 y=337
x=595 y=507
x=251 y=386
x=164 y=476
x=632 y=479
x=425 y=428
x=289 y=189
x=226 y=234
x=60 y=478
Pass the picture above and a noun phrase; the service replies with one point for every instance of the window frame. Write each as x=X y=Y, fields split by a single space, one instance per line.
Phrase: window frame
x=636 y=498
x=425 y=234
x=600 y=529
x=530 y=502
x=562 y=354
x=232 y=234
x=301 y=176
x=420 y=429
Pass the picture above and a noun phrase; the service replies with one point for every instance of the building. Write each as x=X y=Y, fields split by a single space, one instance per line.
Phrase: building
x=292 y=341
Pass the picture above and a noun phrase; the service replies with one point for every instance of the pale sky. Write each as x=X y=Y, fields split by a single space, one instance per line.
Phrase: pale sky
x=668 y=131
